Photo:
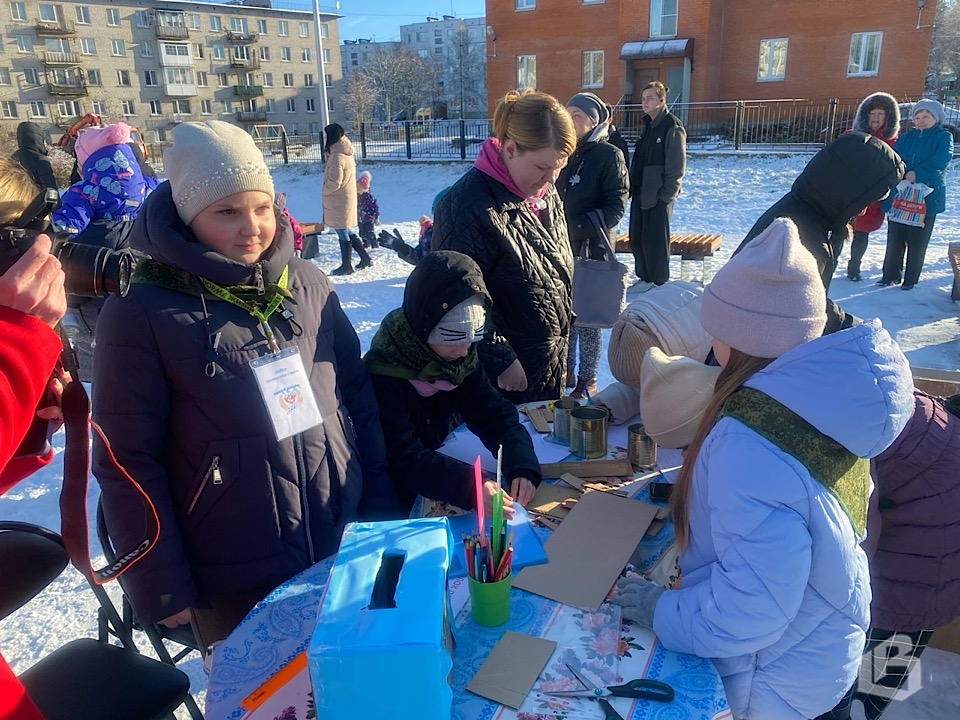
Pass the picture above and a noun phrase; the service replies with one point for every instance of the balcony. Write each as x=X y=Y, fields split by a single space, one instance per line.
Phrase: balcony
x=61 y=58
x=55 y=28
x=240 y=63
x=248 y=90
x=243 y=38
x=172 y=32
x=77 y=89
x=251 y=115
x=175 y=60
x=180 y=89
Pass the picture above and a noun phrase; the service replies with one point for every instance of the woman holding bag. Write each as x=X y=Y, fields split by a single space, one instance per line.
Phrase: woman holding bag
x=594 y=182
x=926 y=149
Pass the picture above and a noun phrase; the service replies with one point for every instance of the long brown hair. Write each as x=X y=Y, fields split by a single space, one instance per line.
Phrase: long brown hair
x=739 y=368
x=534 y=120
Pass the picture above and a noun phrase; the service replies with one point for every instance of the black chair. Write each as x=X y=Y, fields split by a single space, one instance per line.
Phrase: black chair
x=85 y=679
x=123 y=624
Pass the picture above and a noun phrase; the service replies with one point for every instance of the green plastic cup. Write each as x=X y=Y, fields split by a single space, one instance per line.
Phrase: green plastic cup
x=490 y=602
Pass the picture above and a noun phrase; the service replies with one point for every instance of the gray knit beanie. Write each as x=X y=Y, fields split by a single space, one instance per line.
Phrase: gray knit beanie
x=769 y=297
x=209 y=161
x=463 y=324
x=592 y=106
x=931 y=106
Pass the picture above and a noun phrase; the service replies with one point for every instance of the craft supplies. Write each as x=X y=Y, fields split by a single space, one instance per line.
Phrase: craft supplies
x=588 y=431
x=641 y=449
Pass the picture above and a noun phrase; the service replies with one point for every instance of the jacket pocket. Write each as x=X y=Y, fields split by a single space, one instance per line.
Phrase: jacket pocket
x=652 y=185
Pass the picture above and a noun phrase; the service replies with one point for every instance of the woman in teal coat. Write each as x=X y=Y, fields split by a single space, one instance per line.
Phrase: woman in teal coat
x=926 y=150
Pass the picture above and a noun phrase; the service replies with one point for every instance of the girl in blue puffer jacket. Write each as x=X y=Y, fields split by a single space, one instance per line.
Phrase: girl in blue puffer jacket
x=771 y=503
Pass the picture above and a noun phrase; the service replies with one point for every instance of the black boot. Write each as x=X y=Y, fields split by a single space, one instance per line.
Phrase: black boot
x=365 y=261
x=345 y=267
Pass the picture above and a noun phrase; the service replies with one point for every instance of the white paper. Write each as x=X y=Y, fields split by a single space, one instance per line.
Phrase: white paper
x=285 y=388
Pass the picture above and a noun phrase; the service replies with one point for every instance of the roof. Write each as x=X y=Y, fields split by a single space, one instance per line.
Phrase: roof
x=646 y=49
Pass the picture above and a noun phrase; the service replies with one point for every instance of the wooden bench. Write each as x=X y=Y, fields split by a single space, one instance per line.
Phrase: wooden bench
x=311 y=238
x=691 y=247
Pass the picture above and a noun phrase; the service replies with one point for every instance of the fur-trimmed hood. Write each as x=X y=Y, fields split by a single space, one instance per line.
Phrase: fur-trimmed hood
x=887 y=102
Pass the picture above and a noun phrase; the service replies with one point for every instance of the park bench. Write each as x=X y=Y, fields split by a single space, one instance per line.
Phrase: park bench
x=311 y=238
x=691 y=247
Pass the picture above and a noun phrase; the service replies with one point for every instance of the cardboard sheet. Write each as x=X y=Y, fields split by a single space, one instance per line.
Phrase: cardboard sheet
x=511 y=668
x=549 y=496
x=589 y=550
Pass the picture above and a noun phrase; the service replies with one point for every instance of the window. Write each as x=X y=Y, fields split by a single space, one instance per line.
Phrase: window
x=146 y=49
x=283 y=28
x=4 y=76
x=326 y=55
x=201 y=78
x=206 y=107
x=304 y=54
x=291 y=105
x=150 y=78
x=93 y=78
x=663 y=18
x=328 y=80
x=311 y=105
x=142 y=19
x=591 y=73
x=313 y=127
x=308 y=80
x=773 y=59
x=421 y=37
x=19 y=12
x=270 y=106
x=178 y=76
x=156 y=107
x=56 y=45
x=48 y=13
x=117 y=48
x=217 y=49
x=123 y=77
x=864 y=53
x=99 y=107
x=38 y=109
x=113 y=17
x=264 y=52
x=268 y=79
x=215 y=25
x=68 y=108
x=304 y=29
x=238 y=25
x=223 y=80
x=31 y=76
x=88 y=46
x=181 y=106
x=9 y=108
x=24 y=44
x=526 y=71
x=83 y=15
x=284 y=54
x=194 y=20
x=325 y=31
x=129 y=107
x=198 y=51
x=526 y=4
x=329 y=104
x=288 y=79
x=160 y=134
x=438 y=41
x=438 y=51
x=262 y=26
x=227 y=107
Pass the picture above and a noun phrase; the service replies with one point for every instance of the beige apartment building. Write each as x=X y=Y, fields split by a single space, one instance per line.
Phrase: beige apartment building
x=159 y=64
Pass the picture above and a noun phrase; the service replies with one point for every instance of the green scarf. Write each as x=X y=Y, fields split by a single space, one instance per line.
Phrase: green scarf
x=396 y=352
x=846 y=476
x=152 y=272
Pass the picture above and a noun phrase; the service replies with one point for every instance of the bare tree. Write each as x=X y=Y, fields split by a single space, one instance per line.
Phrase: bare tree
x=359 y=96
x=944 y=64
x=402 y=78
x=466 y=70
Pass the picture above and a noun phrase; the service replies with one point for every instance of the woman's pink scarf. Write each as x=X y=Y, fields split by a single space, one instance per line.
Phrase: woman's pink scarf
x=490 y=163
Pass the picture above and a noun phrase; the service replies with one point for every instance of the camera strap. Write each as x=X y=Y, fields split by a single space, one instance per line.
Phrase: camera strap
x=73 y=496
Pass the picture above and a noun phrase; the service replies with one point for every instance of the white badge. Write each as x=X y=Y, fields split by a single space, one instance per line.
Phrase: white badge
x=286 y=392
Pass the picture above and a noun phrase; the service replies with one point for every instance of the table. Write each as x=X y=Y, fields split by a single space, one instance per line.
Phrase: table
x=280 y=626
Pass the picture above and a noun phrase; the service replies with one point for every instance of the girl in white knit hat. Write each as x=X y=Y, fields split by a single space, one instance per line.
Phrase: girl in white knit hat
x=771 y=503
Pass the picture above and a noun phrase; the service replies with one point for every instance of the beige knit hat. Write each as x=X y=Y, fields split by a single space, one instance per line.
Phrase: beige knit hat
x=210 y=160
x=674 y=392
x=630 y=338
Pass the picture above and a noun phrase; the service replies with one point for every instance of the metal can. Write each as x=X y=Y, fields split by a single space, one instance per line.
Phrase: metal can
x=588 y=431
x=641 y=449
x=561 y=419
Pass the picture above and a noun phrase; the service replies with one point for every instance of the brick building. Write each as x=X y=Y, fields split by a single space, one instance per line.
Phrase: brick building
x=709 y=50
x=157 y=64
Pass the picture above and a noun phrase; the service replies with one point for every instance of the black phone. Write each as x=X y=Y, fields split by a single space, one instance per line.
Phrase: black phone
x=660 y=491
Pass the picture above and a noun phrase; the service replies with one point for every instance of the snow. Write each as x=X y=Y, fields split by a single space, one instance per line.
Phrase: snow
x=722 y=193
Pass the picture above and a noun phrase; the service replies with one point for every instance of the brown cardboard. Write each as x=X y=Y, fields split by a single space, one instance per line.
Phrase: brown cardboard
x=602 y=467
x=549 y=497
x=947 y=638
x=588 y=551
x=538 y=419
x=511 y=668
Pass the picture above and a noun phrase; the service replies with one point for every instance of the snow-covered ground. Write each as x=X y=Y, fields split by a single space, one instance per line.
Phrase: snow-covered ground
x=722 y=193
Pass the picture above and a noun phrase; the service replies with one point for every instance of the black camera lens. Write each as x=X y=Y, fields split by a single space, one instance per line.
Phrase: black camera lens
x=93 y=271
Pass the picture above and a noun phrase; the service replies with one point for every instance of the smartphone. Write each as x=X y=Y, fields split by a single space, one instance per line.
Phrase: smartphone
x=660 y=491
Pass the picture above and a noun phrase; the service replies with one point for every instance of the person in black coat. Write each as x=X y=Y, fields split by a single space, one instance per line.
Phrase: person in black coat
x=32 y=155
x=593 y=187
x=616 y=139
x=427 y=378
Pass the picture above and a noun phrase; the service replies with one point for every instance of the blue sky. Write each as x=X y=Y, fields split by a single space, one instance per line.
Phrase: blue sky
x=381 y=19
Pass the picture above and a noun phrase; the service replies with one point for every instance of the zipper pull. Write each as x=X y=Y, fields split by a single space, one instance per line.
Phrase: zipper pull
x=258 y=274
x=215 y=471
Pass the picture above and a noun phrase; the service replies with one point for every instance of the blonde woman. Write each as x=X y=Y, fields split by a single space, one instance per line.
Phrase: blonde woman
x=506 y=214
x=340 y=197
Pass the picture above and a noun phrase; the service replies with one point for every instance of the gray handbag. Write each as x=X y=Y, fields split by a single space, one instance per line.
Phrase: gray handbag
x=599 y=286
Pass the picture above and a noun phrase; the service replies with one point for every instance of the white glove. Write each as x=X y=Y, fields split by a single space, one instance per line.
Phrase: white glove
x=638 y=598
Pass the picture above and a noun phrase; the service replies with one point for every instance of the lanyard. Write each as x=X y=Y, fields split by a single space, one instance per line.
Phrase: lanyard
x=261 y=315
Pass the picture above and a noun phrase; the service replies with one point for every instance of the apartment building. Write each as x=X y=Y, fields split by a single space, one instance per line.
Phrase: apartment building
x=358 y=54
x=159 y=64
x=709 y=50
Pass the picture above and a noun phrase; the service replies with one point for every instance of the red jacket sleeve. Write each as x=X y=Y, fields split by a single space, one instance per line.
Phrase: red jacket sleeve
x=28 y=352
x=15 y=704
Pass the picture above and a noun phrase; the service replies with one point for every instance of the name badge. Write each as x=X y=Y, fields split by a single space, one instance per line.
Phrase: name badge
x=286 y=391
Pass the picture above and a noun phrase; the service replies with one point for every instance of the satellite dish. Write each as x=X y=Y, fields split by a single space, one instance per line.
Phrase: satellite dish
x=491 y=33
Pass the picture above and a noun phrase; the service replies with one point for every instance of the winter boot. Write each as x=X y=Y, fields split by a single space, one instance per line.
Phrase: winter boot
x=365 y=260
x=953 y=252
x=345 y=267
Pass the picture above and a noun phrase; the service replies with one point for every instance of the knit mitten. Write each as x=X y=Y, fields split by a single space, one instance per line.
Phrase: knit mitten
x=638 y=598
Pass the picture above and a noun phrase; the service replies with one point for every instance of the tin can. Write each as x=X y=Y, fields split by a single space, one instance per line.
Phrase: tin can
x=561 y=419
x=641 y=449
x=588 y=432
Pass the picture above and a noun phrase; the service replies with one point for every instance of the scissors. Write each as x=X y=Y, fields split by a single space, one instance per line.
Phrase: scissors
x=642 y=688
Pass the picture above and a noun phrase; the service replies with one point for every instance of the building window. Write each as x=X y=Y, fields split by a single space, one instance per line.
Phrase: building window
x=328 y=80
x=56 y=45
x=142 y=19
x=24 y=44
x=223 y=80
x=773 y=59
x=217 y=49
x=38 y=109
x=291 y=105
x=325 y=31
x=48 y=13
x=270 y=106
x=181 y=106
x=83 y=15
x=178 y=76
x=264 y=53
x=308 y=80
x=88 y=46
x=326 y=55
x=284 y=54
x=330 y=104
x=128 y=107
x=267 y=80
x=421 y=37
x=215 y=24
x=304 y=30
x=283 y=28
x=123 y=78
x=194 y=20
x=4 y=76
x=99 y=107
x=19 y=12
x=93 y=78
x=591 y=73
x=198 y=51
x=313 y=127
x=117 y=48
x=206 y=107
x=201 y=78
x=227 y=108
x=288 y=79
x=864 y=54
x=238 y=25
x=156 y=107
x=311 y=105
x=30 y=76
x=68 y=108
x=149 y=78
x=146 y=49
x=526 y=71
x=304 y=54
x=9 y=108
x=438 y=41
x=663 y=18
x=526 y=4
x=113 y=17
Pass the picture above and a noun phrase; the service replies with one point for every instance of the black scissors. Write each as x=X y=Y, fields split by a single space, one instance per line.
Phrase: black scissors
x=643 y=689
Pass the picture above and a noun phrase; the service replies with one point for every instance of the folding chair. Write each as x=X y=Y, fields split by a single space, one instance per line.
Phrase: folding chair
x=122 y=624
x=85 y=679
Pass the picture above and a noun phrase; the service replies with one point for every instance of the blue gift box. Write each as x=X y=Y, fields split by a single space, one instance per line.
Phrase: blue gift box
x=382 y=645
